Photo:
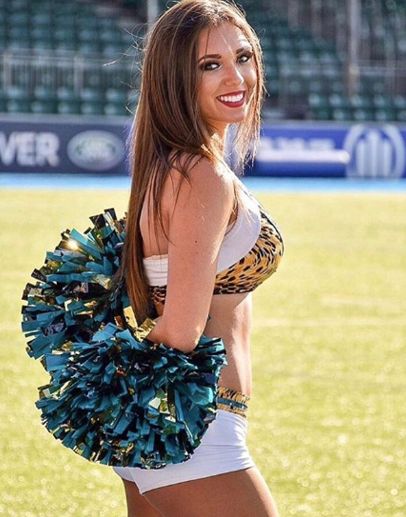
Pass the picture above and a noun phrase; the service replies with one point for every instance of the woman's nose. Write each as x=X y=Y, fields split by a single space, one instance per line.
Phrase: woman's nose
x=234 y=75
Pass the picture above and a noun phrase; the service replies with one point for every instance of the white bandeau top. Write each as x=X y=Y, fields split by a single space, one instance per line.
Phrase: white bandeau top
x=235 y=245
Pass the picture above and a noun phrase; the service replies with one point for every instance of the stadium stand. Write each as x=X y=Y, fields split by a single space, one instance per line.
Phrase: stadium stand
x=55 y=59
x=79 y=58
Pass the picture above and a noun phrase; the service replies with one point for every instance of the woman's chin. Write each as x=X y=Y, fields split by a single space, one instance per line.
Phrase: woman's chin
x=231 y=119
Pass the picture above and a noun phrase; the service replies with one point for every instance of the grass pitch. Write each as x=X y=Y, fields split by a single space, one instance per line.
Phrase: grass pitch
x=327 y=418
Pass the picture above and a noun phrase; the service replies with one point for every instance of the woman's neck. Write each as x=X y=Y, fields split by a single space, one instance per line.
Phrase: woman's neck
x=219 y=138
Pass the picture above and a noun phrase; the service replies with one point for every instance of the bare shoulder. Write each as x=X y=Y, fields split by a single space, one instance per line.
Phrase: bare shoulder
x=205 y=182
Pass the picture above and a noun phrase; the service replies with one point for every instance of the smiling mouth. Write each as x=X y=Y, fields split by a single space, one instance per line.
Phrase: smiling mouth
x=232 y=100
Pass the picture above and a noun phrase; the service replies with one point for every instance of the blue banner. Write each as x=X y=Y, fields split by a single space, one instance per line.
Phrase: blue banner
x=55 y=144
x=51 y=143
x=316 y=149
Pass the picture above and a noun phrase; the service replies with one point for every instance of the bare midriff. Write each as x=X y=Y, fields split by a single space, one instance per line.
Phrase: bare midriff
x=230 y=319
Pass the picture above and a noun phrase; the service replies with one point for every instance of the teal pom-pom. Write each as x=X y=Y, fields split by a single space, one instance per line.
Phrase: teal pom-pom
x=114 y=397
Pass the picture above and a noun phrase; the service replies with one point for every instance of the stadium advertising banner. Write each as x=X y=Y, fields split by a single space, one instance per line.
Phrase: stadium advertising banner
x=48 y=144
x=63 y=145
x=317 y=149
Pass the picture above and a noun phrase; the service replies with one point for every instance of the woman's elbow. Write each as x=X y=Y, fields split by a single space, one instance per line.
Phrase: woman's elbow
x=183 y=340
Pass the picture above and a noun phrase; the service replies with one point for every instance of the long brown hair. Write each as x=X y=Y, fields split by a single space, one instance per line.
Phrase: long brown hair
x=167 y=124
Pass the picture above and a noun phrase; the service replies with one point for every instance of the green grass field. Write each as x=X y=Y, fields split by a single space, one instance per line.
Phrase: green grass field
x=327 y=419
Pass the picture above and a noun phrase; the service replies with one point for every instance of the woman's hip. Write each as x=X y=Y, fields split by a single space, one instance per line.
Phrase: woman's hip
x=223 y=448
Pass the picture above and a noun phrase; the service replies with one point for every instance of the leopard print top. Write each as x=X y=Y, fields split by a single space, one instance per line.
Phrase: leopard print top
x=251 y=270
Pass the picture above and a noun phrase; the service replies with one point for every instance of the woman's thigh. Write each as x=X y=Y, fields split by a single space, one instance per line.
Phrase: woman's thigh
x=242 y=493
x=137 y=504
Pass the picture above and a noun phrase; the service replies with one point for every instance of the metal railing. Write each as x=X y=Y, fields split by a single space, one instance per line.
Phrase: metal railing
x=365 y=34
x=292 y=90
x=29 y=68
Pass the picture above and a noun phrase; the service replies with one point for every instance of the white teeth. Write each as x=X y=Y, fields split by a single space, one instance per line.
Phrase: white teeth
x=231 y=98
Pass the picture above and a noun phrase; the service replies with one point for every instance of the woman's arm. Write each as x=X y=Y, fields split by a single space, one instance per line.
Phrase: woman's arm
x=197 y=224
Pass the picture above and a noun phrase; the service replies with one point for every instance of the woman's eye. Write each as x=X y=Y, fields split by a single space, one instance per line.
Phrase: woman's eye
x=244 y=58
x=208 y=66
x=248 y=56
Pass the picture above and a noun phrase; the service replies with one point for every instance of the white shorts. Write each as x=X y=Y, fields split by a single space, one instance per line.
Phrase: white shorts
x=222 y=449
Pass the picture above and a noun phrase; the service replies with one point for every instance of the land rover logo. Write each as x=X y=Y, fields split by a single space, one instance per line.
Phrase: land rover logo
x=95 y=150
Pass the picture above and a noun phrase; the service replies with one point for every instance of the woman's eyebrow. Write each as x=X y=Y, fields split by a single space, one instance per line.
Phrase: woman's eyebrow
x=218 y=56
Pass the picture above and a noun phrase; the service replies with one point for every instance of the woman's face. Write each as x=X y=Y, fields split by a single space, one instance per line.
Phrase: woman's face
x=228 y=75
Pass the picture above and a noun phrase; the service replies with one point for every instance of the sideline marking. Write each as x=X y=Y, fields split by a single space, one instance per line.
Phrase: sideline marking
x=255 y=183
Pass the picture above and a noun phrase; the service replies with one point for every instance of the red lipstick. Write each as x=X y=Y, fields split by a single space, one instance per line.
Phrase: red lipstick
x=232 y=103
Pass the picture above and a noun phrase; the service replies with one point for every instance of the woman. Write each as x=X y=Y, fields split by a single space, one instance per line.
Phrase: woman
x=195 y=273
